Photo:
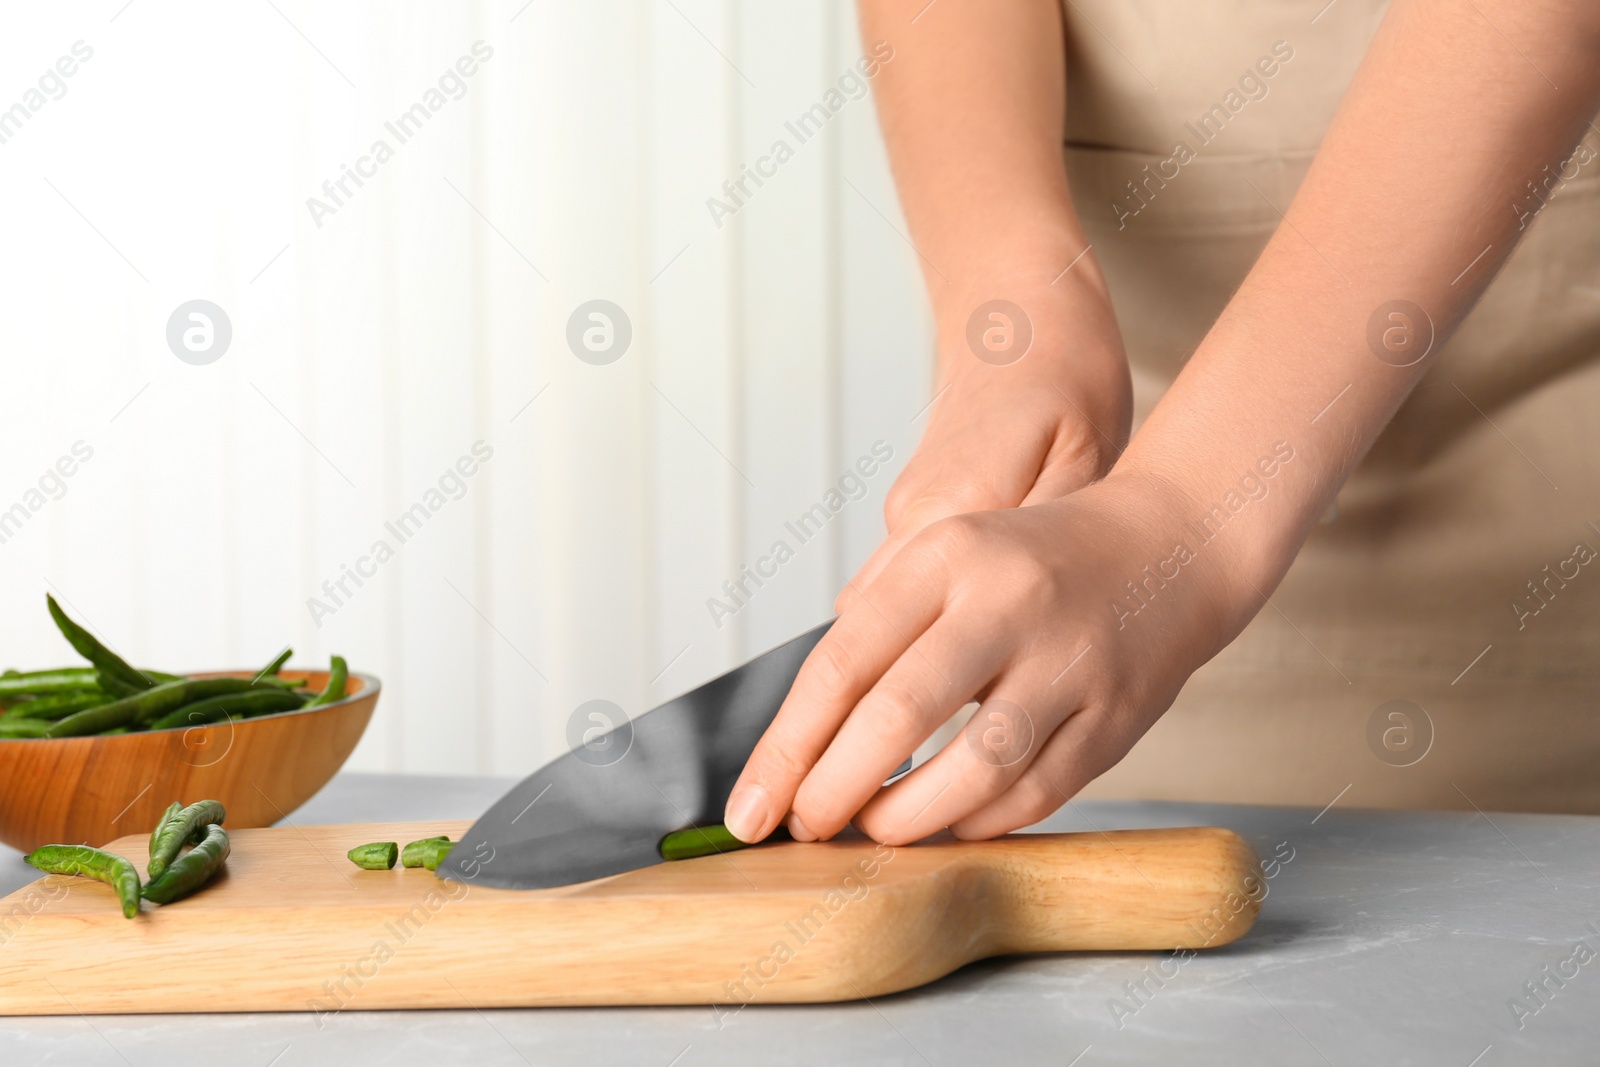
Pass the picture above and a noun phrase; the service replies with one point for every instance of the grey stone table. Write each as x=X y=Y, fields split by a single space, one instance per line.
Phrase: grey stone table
x=1385 y=938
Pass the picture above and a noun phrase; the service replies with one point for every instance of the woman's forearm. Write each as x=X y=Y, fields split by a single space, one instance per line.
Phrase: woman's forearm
x=1418 y=194
x=972 y=113
x=1034 y=398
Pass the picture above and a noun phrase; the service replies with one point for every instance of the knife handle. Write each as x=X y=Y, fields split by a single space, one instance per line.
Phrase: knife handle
x=1185 y=888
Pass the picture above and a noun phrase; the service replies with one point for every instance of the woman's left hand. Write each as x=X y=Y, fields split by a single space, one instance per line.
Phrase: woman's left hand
x=1025 y=609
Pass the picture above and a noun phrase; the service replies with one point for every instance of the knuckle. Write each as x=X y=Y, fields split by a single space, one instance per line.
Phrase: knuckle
x=953 y=500
x=897 y=502
x=1018 y=580
x=1038 y=800
x=821 y=810
x=890 y=824
x=831 y=668
x=895 y=711
x=881 y=829
x=1033 y=579
x=779 y=770
x=950 y=539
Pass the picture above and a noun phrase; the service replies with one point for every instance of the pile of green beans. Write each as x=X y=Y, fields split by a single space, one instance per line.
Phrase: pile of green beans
x=174 y=874
x=113 y=697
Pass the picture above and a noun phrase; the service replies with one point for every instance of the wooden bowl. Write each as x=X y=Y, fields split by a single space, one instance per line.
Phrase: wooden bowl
x=90 y=790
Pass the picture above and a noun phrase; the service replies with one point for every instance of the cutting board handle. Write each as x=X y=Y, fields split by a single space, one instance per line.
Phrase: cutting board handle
x=1185 y=888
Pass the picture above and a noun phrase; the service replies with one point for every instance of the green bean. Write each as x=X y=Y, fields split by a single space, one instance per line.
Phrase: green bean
x=217 y=708
x=92 y=650
x=338 y=672
x=147 y=706
x=276 y=665
x=176 y=828
x=699 y=841
x=117 y=687
x=378 y=856
x=414 y=852
x=282 y=683
x=13 y=729
x=191 y=870
x=41 y=683
x=114 y=731
x=89 y=862
x=57 y=705
x=170 y=818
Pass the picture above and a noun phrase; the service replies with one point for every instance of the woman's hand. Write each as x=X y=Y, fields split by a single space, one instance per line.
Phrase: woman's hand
x=1033 y=401
x=1033 y=611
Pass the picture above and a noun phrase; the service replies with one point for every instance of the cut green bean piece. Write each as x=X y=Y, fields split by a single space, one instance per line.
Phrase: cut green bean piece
x=434 y=852
x=90 y=648
x=87 y=862
x=338 y=674
x=15 y=729
x=191 y=870
x=699 y=841
x=378 y=856
x=176 y=828
x=414 y=852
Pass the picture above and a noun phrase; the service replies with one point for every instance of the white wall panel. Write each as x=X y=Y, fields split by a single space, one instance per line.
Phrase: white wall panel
x=425 y=314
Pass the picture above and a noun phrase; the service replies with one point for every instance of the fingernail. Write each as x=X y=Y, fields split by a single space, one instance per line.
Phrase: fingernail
x=746 y=813
x=797 y=829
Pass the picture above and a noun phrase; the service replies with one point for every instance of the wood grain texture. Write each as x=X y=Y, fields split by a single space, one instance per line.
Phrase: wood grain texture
x=293 y=926
x=88 y=790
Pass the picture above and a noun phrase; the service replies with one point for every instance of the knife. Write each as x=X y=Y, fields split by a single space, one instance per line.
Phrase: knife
x=603 y=808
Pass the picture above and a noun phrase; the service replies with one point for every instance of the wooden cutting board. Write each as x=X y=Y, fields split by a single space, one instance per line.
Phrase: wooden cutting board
x=293 y=926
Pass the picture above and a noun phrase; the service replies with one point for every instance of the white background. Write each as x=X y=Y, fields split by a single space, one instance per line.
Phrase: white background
x=370 y=353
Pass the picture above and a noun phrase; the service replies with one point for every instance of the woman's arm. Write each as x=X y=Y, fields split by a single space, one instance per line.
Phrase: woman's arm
x=1414 y=196
x=972 y=107
x=1417 y=194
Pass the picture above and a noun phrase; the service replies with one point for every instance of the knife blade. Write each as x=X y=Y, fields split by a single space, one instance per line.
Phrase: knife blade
x=603 y=807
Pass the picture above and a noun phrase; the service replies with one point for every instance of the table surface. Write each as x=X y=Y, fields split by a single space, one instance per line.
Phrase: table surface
x=1385 y=937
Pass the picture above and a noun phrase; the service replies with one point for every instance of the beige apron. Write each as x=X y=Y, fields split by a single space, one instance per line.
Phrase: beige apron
x=1437 y=641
